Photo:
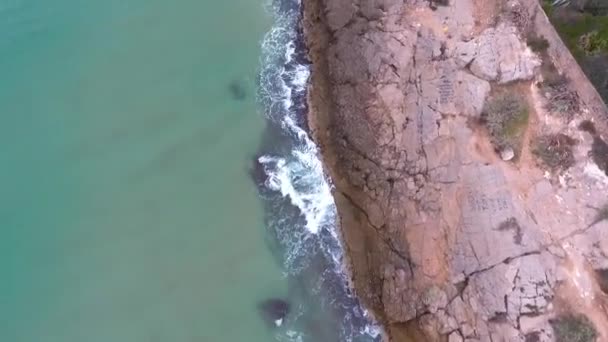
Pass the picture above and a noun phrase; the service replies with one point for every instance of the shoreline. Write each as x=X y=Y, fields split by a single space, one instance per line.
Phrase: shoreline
x=411 y=260
x=296 y=193
x=318 y=99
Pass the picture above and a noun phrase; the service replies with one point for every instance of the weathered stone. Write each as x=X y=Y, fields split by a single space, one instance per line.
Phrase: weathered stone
x=424 y=205
x=455 y=337
x=498 y=55
x=434 y=299
x=507 y=154
x=274 y=310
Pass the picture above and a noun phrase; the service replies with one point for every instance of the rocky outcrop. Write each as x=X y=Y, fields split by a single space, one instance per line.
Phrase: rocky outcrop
x=446 y=241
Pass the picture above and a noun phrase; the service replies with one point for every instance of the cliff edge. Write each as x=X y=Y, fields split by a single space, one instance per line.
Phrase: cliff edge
x=461 y=223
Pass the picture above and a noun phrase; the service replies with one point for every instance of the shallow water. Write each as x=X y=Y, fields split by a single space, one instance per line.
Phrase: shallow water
x=128 y=209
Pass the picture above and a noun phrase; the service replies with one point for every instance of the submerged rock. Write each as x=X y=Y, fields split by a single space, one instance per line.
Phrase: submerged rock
x=274 y=310
x=237 y=90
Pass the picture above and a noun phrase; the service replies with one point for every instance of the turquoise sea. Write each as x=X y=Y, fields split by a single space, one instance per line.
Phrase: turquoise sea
x=130 y=209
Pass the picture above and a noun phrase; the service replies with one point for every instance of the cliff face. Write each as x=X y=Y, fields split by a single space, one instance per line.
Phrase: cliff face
x=445 y=239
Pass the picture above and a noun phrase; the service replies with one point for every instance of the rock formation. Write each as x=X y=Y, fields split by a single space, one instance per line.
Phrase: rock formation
x=448 y=242
x=274 y=311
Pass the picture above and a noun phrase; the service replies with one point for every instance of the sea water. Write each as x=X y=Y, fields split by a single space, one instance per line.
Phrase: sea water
x=130 y=205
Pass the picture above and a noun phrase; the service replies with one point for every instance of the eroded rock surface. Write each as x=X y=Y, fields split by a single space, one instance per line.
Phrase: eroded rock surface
x=446 y=240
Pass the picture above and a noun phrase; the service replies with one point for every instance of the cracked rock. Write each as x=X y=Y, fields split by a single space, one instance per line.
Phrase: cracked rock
x=498 y=55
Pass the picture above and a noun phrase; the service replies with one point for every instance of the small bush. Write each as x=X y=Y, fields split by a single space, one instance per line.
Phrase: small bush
x=571 y=328
x=506 y=118
x=593 y=43
x=561 y=99
x=555 y=151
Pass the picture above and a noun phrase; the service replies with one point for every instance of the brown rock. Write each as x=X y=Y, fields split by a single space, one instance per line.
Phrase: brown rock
x=445 y=241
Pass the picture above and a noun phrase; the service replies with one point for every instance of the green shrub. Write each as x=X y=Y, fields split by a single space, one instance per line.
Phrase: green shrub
x=571 y=328
x=555 y=151
x=593 y=43
x=506 y=118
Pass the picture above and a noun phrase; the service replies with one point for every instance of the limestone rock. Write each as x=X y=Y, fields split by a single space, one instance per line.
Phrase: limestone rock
x=507 y=154
x=499 y=55
x=439 y=235
x=455 y=337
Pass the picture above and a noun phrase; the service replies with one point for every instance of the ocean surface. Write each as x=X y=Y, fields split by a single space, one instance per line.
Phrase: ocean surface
x=157 y=182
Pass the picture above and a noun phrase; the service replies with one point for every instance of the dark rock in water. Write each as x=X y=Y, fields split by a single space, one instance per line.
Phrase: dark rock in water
x=274 y=310
x=237 y=90
x=257 y=172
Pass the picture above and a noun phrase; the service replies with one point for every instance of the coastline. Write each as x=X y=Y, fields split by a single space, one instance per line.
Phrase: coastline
x=419 y=269
x=297 y=195
x=319 y=104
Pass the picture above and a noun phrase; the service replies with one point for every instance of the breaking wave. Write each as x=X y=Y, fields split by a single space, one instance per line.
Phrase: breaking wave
x=301 y=212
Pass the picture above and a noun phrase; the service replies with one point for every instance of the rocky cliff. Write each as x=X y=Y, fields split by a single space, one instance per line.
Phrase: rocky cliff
x=447 y=241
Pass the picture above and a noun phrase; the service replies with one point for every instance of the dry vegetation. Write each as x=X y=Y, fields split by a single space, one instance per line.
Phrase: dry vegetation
x=562 y=100
x=571 y=328
x=555 y=151
x=505 y=115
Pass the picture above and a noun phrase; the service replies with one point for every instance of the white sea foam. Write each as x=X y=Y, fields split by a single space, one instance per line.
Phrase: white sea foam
x=300 y=178
x=290 y=50
x=298 y=175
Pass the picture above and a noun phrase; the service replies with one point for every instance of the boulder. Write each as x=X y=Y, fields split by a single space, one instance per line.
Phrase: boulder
x=274 y=310
x=237 y=90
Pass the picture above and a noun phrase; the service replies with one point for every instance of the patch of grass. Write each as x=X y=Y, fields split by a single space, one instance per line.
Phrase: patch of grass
x=592 y=43
x=585 y=24
x=573 y=328
x=555 y=151
x=586 y=35
x=561 y=99
x=506 y=117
